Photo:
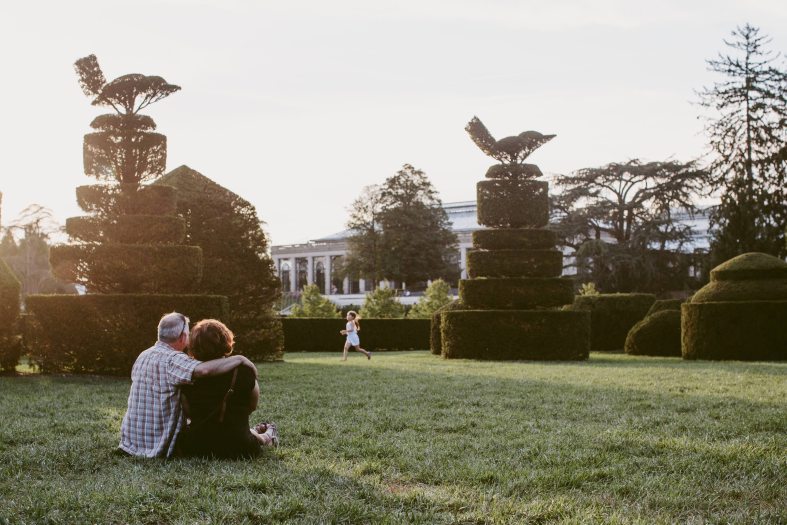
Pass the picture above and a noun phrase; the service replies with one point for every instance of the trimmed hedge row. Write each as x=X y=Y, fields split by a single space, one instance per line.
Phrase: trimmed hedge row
x=10 y=347
x=657 y=335
x=745 y=330
x=113 y=329
x=515 y=263
x=665 y=304
x=515 y=293
x=129 y=229
x=516 y=334
x=612 y=316
x=512 y=203
x=435 y=334
x=127 y=199
x=129 y=268
x=306 y=334
x=514 y=239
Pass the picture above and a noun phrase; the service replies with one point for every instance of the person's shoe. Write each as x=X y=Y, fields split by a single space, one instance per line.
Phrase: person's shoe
x=272 y=433
x=369 y=355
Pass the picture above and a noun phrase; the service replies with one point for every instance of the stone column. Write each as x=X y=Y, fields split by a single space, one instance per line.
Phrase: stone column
x=346 y=285
x=362 y=285
x=463 y=261
x=310 y=269
x=328 y=275
x=293 y=274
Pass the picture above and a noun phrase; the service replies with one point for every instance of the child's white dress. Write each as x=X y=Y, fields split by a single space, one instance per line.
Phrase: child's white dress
x=352 y=335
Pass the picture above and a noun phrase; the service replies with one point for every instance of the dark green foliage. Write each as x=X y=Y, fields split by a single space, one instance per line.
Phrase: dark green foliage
x=512 y=203
x=752 y=290
x=743 y=331
x=129 y=229
x=665 y=304
x=658 y=335
x=321 y=335
x=435 y=335
x=507 y=334
x=514 y=263
x=113 y=329
x=514 y=239
x=401 y=232
x=513 y=171
x=109 y=201
x=312 y=303
x=436 y=297
x=382 y=304
x=750 y=266
x=512 y=293
x=612 y=316
x=10 y=292
x=235 y=259
x=127 y=268
x=747 y=136
x=634 y=203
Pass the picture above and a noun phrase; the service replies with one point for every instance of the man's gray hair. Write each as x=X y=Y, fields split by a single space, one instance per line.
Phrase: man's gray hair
x=171 y=326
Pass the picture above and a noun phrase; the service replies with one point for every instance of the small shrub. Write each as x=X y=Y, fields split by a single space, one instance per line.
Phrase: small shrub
x=314 y=304
x=515 y=263
x=322 y=335
x=104 y=334
x=516 y=334
x=612 y=316
x=588 y=289
x=382 y=304
x=657 y=335
x=515 y=293
x=10 y=347
x=436 y=296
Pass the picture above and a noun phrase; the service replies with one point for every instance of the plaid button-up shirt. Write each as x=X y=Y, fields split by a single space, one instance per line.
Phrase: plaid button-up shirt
x=154 y=416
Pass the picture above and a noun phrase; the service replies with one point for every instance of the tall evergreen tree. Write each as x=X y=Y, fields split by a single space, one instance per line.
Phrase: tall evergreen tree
x=365 y=244
x=747 y=132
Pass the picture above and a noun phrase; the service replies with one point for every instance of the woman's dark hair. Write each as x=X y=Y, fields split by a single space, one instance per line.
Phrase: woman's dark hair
x=210 y=339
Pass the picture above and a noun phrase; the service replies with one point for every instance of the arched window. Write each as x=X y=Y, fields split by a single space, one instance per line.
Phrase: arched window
x=319 y=276
x=284 y=274
x=303 y=273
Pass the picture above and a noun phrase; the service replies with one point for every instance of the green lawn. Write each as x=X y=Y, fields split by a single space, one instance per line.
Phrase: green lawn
x=412 y=438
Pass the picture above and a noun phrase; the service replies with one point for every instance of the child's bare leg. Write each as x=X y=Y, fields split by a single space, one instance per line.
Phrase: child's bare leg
x=364 y=352
x=344 y=352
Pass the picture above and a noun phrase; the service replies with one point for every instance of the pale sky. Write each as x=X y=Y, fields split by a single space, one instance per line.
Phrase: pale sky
x=297 y=105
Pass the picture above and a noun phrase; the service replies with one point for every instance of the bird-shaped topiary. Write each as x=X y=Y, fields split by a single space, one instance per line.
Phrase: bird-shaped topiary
x=509 y=151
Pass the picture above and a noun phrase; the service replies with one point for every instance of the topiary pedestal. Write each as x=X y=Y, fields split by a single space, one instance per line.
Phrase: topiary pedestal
x=510 y=304
x=741 y=314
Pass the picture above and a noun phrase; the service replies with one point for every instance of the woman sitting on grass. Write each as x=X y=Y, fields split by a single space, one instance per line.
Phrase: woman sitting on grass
x=217 y=408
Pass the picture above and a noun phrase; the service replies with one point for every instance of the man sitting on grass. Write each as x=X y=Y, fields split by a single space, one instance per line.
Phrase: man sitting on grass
x=155 y=416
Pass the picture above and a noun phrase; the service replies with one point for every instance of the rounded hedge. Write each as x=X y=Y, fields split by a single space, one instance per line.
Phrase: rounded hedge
x=516 y=334
x=743 y=330
x=515 y=293
x=127 y=199
x=512 y=203
x=612 y=316
x=656 y=335
x=748 y=266
x=10 y=347
x=514 y=263
x=513 y=171
x=113 y=329
x=665 y=304
x=514 y=239
x=129 y=229
x=127 y=268
x=314 y=334
x=749 y=290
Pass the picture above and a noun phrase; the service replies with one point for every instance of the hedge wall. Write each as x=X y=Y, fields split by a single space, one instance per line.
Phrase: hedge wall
x=113 y=329
x=514 y=239
x=512 y=203
x=435 y=334
x=518 y=294
x=10 y=346
x=516 y=334
x=612 y=316
x=129 y=268
x=658 y=335
x=745 y=331
x=322 y=335
x=515 y=263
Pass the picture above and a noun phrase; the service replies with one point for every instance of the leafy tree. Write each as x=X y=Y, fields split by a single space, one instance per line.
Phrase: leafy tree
x=382 y=304
x=631 y=204
x=235 y=260
x=314 y=304
x=403 y=233
x=437 y=295
x=747 y=131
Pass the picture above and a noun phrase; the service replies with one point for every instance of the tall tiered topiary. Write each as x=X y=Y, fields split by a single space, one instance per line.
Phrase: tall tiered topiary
x=128 y=253
x=510 y=304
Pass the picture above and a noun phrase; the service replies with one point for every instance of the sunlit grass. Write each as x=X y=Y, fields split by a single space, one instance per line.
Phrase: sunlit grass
x=412 y=438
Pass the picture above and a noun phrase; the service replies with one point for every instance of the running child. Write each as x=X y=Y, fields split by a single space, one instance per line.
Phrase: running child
x=353 y=341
